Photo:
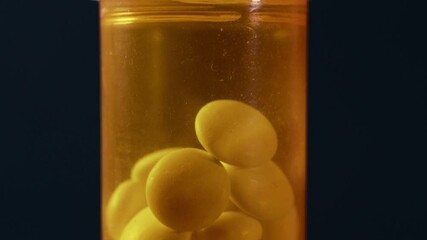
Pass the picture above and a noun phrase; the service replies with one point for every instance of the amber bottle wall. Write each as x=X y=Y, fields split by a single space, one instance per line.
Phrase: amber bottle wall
x=162 y=61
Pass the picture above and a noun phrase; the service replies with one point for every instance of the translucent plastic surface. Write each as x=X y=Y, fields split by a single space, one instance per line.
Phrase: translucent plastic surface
x=203 y=119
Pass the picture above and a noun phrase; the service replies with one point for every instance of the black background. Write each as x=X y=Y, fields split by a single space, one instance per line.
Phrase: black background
x=367 y=120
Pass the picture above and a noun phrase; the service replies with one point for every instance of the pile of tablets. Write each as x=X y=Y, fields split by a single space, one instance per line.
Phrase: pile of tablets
x=230 y=190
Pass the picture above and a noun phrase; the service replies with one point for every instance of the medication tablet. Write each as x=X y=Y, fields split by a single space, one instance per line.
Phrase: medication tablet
x=125 y=202
x=236 y=133
x=286 y=228
x=144 y=226
x=187 y=189
x=143 y=166
x=263 y=192
x=231 y=226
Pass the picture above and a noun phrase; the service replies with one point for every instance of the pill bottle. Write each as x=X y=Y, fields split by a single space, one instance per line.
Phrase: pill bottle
x=203 y=119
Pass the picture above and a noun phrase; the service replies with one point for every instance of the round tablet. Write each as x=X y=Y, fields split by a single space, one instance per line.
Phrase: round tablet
x=125 y=202
x=236 y=133
x=263 y=192
x=144 y=226
x=143 y=166
x=187 y=189
x=231 y=226
x=285 y=228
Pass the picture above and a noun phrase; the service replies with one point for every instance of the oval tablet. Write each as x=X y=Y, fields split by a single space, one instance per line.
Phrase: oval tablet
x=263 y=192
x=236 y=133
x=143 y=166
x=231 y=226
x=144 y=226
x=286 y=228
x=125 y=202
x=187 y=189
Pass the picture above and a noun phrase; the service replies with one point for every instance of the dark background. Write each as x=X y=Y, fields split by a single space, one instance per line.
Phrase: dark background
x=367 y=120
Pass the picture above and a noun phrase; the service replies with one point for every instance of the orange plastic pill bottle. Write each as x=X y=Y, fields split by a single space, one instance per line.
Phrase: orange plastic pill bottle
x=226 y=77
